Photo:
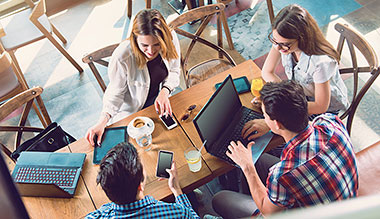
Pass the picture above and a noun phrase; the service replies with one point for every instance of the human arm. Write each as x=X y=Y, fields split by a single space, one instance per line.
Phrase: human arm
x=322 y=99
x=243 y=157
x=97 y=129
x=257 y=125
x=270 y=64
x=162 y=103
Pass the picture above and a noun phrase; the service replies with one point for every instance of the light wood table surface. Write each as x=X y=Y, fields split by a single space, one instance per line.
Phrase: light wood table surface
x=199 y=95
x=172 y=140
x=77 y=207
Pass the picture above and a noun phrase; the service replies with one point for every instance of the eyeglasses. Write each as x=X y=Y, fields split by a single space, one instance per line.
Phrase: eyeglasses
x=285 y=46
x=187 y=114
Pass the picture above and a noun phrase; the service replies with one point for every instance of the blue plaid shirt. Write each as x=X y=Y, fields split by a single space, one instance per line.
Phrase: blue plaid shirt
x=147 y=208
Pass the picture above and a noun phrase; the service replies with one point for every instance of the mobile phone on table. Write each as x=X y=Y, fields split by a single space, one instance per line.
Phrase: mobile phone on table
x=168 y=121
x=165 y=159
x=242 y=84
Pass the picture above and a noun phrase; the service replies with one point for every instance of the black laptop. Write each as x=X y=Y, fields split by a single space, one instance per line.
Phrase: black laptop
x=222 y=119
x=48 y=174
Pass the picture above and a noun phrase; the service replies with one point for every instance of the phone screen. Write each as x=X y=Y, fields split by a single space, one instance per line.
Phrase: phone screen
x=165 y=159
x=169 y=121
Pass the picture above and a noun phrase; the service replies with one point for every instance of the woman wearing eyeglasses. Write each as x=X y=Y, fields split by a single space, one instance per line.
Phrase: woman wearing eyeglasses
x=143 y=70
x=308 y=58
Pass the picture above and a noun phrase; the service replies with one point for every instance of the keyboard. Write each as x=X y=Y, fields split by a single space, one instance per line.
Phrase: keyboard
x=62 y=177
x=247 y=115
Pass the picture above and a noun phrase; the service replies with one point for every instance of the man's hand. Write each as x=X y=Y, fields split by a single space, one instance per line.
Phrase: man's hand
x=173 y=181
x=162 y=103
x=241 y=155
x=254 y=129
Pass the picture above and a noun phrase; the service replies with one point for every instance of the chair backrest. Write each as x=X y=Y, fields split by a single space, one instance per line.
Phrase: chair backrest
x=9 y=79
x=204 y=13
x=99 y=56
x=7 y=109
x=356 y=40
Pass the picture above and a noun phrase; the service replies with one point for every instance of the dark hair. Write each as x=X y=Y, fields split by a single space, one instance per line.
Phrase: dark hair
x=286 y=102
x=151 y=22
x=295 y=22
x=120 y=173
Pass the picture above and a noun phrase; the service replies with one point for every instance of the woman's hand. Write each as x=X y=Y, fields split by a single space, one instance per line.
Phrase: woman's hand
x=98 y=130
x=162 y=103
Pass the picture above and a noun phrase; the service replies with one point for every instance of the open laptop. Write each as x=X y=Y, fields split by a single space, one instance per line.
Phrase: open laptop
x=48 y=174
x=222 y=119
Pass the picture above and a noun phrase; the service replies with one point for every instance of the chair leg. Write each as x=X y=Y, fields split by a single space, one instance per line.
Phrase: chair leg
x=64 y=52
x=223 y=17
x=219 y=34
x=59 y=35
x=43 y=111
x=97 y=76
x=14 y=59
x=270 y=10
x=148 y=4
x=129 y=8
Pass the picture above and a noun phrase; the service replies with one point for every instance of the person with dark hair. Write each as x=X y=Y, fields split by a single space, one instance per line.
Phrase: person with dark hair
x=121 y=176
x=316 y=166
x=309 y=59
x=143 y=70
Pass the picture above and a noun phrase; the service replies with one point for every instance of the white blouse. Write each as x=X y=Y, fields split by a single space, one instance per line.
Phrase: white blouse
x=128 y=88
x=317 y=69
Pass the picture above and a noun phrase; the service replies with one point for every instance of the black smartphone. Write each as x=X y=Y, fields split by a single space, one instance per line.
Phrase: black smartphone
x=168 y=121
x=242 y=84
x=165 y=159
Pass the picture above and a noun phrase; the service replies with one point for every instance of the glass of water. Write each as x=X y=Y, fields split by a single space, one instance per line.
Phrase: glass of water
x=145 y=141
x=193 y=158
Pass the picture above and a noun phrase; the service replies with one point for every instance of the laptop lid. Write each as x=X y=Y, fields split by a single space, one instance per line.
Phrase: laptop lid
x=52 y=162
x=218 y=112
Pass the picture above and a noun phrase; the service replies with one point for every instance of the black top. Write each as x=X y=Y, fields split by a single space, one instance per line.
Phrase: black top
x=157 y=73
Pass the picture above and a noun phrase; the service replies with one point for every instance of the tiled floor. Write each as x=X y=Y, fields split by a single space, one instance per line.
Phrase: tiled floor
x=74 y=100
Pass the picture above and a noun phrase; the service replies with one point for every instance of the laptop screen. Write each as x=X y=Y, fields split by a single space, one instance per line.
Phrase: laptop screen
x=218 y=112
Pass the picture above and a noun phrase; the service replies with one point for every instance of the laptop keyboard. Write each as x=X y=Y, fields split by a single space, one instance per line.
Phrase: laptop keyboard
x=61 y=177
x=247 y=115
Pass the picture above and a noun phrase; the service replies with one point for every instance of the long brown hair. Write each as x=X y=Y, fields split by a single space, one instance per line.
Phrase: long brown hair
x=151 y=22
x=295 y=22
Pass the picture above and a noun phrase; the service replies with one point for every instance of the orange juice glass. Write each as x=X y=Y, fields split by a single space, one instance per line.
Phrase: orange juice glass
x=256 y=86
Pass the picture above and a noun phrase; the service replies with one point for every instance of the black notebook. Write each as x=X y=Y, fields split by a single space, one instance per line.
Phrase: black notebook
x=111 y=137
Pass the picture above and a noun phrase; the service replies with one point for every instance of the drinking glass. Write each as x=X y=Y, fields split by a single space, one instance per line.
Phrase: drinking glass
x=193 y=158
x=256 y=85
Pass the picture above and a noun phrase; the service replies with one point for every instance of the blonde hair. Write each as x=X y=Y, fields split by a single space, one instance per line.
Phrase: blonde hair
x=151 y=22
x=295 y=22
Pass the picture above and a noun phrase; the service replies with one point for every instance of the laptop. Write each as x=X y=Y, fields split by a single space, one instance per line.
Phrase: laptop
x=48 y=174
x=222 y=119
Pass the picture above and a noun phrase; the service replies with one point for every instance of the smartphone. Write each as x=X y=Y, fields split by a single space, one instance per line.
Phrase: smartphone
x=168 y=121
x=242 y=84
x=165 y=159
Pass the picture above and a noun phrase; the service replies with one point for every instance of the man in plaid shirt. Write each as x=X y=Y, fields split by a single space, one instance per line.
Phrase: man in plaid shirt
x=121 y=176
x=317 y=164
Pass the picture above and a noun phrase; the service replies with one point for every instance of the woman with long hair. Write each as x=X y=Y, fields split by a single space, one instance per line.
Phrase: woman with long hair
x=143 y=70
x=308 y=58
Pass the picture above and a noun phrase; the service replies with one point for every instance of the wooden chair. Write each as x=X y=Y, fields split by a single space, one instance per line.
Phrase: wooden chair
x=99 y=56
x=206 y=68
x=356 y=40
x=12 y=82
x=129 y=6
x=26 y=99
x=28 y=26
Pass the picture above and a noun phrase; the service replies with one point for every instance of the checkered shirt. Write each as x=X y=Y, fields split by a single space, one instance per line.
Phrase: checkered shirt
x=317 y=166
x=147 y=208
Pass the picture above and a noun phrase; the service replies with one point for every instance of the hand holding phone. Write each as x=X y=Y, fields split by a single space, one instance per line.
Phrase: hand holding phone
x=165 y=159
x=168 y=121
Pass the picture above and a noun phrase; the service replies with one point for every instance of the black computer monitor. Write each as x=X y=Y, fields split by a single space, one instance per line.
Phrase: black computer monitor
x=11 y=205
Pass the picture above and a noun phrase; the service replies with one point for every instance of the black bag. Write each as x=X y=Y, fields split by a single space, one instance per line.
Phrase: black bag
x=50 y=139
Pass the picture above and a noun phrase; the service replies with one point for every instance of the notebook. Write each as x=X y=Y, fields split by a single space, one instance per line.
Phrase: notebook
x=111 y=137
x=48 y=174
x=222 y=119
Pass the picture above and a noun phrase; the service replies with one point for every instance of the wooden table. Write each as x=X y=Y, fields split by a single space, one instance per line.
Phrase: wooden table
x=90 y=196
x=172 y=140
x=199 y=95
